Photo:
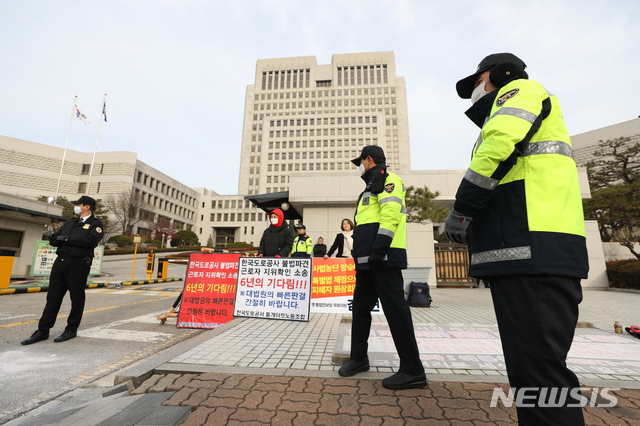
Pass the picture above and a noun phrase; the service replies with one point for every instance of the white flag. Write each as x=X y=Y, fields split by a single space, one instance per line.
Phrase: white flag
x=80 y=115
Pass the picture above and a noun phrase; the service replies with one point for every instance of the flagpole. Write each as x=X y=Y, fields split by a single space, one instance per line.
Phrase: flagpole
x=95 y=147
x=64 y=155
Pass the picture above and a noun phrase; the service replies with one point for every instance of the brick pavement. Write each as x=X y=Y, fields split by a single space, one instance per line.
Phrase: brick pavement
x=228 y=399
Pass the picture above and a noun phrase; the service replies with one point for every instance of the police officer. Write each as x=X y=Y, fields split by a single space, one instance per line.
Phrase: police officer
x=75 y=240
x=302 y=243
x=520 y=207
x=379 y=251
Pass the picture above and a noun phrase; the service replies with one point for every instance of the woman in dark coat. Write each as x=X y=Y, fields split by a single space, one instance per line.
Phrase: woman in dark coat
x=277 y=239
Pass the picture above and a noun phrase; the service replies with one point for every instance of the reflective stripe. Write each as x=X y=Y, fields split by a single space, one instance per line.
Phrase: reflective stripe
x=517 y=112
x=500 y=255
x=386 y=232
x=390 y=200
x=365 y=259
x=367 y=194
x=549 y=147
x=478 y=142
x=403 y=210
x=481 y=181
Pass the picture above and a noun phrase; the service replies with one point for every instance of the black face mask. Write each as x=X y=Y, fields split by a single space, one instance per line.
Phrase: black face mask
x=480 y=110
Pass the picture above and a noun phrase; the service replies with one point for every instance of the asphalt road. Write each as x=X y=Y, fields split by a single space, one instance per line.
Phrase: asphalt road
x=119 y=327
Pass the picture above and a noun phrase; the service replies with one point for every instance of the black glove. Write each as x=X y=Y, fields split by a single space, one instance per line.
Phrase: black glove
x=62 y=238
x=376 y=260
x=52 y=241
x=456 y=227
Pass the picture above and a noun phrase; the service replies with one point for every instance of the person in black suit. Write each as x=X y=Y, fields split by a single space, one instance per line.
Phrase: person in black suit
x=75 y=240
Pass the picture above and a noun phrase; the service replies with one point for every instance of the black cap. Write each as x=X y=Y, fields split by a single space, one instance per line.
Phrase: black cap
x=373 y=151
x=86 y=200
x=465 y=86
x=300 y=226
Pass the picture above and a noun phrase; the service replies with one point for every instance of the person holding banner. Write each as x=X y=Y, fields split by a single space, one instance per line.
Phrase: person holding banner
x=75 y=240
x=379 y=251
x=302 y=244
x=277 y=239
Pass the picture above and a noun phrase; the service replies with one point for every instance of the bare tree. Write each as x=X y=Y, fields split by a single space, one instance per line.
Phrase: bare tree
x=627 y=238
x=126 y=208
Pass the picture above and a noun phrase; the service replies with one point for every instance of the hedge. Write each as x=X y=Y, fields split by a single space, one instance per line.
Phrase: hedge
x=624 y=273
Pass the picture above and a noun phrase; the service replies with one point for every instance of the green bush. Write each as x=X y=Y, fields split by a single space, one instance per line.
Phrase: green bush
x=624 y=273
x=156 y=243
x=442 y=238
x=185 y=238
x=120 y=240
x=239 y=244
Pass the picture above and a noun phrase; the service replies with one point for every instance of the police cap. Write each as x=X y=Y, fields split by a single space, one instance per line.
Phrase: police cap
x=373 y=151
x=86 y=200
x=465 y=86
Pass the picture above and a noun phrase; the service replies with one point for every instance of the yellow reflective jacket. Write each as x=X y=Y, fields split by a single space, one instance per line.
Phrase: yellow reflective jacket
x=302 y=246
x=381 y=220
x=522 y=190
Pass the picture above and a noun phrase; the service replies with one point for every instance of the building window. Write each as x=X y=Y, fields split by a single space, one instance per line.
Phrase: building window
x=82 y=187
x=86 y=168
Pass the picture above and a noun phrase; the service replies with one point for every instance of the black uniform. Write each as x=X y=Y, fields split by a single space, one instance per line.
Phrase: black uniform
x=70 y=270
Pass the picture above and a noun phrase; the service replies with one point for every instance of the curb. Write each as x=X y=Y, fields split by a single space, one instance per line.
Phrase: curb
x=152 y=281
x=38 y=289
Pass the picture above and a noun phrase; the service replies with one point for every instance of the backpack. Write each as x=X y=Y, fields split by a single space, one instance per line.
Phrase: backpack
x=419 y=296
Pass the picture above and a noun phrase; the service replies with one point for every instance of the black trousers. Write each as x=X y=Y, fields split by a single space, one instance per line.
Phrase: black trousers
x=66 y=275
x=537 y=316
x=385 y=284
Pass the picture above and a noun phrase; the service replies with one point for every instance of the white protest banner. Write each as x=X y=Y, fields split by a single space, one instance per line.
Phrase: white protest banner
x=275 y=288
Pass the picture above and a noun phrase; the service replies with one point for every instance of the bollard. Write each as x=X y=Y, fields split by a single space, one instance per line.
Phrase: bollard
x=163 y=267
x=6 y=265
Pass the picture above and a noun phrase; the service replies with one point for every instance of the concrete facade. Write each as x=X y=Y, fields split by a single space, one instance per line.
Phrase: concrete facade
x=31 y=169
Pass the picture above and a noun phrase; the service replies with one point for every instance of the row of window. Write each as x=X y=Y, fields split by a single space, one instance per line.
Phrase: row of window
x=168 y=206
x=286 y=79
x=291 y=167
x=166 y=189
x=326 y=104
x=323 y=121
x=240 y=217
x=317 y=154
x=365 y=74
x=326 y=132
x=347 y=76
x=322 y=143
x=326 y=93
x=230 y=204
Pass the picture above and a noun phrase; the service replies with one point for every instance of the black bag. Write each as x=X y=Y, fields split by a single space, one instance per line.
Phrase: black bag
x=419 y=296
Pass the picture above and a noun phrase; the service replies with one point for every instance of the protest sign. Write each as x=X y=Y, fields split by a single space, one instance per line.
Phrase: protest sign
x=276 y=288
x=209 y=290
x=333 y=282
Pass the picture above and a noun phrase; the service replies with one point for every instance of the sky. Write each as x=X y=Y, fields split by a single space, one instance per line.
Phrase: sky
x=175 y=72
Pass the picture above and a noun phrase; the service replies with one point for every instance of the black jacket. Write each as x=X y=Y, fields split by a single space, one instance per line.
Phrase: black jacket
x=319 y=250
x=276 y=241
x=81 y=238
x=338 y=244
